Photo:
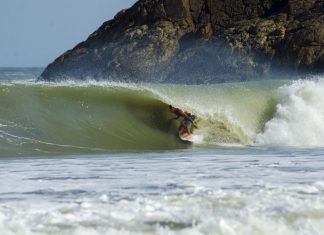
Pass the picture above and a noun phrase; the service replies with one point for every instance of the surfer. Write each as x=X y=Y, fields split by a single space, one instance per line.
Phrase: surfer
x=184 y=128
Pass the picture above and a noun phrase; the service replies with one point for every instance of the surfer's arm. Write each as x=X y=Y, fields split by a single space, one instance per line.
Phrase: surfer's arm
x=185 y=115
x=177 y=117
x=190 y=119
x=194 y=124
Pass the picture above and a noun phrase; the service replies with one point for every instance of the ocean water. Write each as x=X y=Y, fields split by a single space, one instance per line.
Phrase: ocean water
x=104 y=158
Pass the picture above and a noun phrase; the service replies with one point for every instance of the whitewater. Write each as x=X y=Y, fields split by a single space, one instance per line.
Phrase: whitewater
x=104 y=158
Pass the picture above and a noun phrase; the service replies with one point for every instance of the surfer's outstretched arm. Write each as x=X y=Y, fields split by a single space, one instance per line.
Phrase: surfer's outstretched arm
x=181 y=113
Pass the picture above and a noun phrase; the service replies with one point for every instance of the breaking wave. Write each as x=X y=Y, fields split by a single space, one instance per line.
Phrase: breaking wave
x=70 y=118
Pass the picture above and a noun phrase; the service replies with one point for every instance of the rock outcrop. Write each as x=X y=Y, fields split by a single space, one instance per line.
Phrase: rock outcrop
x=200 y=41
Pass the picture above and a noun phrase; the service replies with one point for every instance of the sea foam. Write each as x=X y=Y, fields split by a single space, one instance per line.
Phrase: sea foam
x=299 y=118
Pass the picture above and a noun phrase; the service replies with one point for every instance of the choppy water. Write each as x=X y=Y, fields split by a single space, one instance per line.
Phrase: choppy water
x=100 y=158
x=217 y=191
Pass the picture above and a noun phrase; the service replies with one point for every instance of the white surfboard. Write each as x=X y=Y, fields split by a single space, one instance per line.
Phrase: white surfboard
x=186 y=137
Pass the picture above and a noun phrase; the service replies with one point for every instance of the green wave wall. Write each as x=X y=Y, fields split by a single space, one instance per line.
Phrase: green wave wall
x=54 y=119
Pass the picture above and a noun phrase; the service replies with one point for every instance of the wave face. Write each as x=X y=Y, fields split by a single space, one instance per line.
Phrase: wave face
x=65 y=119
x=68 y=118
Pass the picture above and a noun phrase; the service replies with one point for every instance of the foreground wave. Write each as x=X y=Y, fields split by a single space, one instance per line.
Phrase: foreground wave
x=68 y=118
x=245 y=191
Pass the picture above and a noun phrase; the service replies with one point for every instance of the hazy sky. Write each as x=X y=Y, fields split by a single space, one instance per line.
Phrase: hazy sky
x=35 y=32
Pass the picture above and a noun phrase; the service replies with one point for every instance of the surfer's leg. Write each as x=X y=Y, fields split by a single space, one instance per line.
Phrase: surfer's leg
x=184 y=127
x=185 y=130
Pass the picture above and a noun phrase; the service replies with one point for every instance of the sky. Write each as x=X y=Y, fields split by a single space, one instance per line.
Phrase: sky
x=35 y=32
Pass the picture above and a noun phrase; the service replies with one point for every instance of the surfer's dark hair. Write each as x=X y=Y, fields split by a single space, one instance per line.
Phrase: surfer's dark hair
x=170 y=106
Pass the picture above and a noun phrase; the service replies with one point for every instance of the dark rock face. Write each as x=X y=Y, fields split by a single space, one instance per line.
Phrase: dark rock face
x=200 y=41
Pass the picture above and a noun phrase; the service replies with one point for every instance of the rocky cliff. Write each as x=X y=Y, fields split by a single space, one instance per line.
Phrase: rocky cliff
x=200 y=41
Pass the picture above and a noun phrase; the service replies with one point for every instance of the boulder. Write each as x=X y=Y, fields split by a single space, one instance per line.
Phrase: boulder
x=200 y=41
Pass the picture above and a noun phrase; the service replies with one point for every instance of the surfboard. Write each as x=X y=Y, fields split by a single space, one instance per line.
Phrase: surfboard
x=186 y=137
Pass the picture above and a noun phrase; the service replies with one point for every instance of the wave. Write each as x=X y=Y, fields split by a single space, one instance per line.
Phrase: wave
x=299 y=117
x=72 y=118
x=14 y=74
x=45 y=119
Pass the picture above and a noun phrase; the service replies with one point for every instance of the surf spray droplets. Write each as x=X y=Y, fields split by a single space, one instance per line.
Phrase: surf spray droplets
x=299 y=119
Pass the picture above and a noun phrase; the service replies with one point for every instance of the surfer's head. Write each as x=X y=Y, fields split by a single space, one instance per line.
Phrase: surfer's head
x=171 y=108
